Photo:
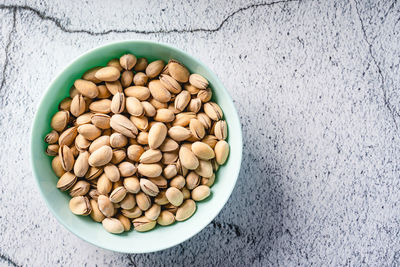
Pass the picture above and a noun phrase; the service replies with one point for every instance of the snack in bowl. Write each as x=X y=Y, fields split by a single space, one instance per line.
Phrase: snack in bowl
x=137 y=142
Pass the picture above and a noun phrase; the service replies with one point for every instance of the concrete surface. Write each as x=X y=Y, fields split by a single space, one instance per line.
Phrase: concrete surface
x=316 y=84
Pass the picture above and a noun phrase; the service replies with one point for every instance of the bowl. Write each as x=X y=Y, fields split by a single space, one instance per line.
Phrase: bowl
x=83 y=226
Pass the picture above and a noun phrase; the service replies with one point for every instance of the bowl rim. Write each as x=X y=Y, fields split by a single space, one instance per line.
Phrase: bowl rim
x=47 y=91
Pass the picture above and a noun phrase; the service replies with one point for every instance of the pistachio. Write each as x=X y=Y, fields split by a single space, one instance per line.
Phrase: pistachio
x=165 y=218
x=210 y=140
x=114 y=87
x=104 y=185
x=101 y=106
x=149 y=109
x=186 y=193
x=78 y=105
x=143 y=138
x=127 y=61
x=157 y=135
x=132 y=184
x=170 y=84
x=52 y=150
x=60 y=120
x=202 y=150
x=154 y=68
x=134 y=152
x=125 y=222
x=153 y=212
x=89 y=75
x=118 y=140
x=186 y=210
x=112 y=172
x=171 y=106
x=83 y=119
x=140 y=92
x=143 y=201
x=99 y=142
x=128 y=202
x=115 y=63
x=66 y=181
x=123 y=125
x=188 y=159
x=107 y=74
x=174 y=196
x=140 y=79
x=141 y=122
x=178 y=133
x=118 y=156
x=171 y=208
x=158 y=91
x=150 y=170
x=93 y=173
x=183 y=119
x=94 y=194
x=194 y=105
x=126 y=78
x=148 y=187
x=89 y=131
x=221 y=152
x=134 y=107
x=197 y=129
x=113 y=225
x=81 y=188
x=181 y=169
x=86 y=88
x=205 y=95
x=81 y=165
x=178 y=182
x=143 y=224
x=178 y=71
x=65 y=104
x=213 y=111
x=57 y=166
x=80 y=205
x=157 y=104
x=103 y=92
x=100 y=120
x=169 y=145
x=68 y=136
x=52 y=137
x=164 y=115
x=118 y=194
x=170 y=171
x=159 y=181
x=192 y=180
x=191 y=89
x=141 y=64
x=198 y=81
x=205 y=168
x=73 y=91
x=151 y=156
x=75 y=151
x=204 y=119
x=221 y=130
x=182 y=100
x=101 y=156
x=132 y=213
x=161 y=199
x=66 y=158
x=96 y=214
x=118 y=103
x=105 y=206
x=200 y=193
x=126 y=169
x=169 y=157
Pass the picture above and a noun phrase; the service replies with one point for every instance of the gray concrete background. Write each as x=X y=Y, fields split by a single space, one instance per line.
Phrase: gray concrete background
x=316 y=85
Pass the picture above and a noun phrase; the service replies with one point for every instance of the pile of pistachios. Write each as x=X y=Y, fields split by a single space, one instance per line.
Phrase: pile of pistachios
x=137 y=143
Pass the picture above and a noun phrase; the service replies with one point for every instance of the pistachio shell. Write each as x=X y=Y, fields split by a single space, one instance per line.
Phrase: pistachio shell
x=141 y=122
x=200 y=193
x=197 y=129
x=82 y=165
x=178 y=133
x=141 y=64
x=149 y=109
x=103 y=92
x=161 y=199
x=86 y=88
x=106 y=206
x=159 y=181
x=166 y=218
x=178 y=71
x=134 y=107
x=118 y=194
x=213 y=111
x=205 y=95
x=90 y=75
x=164 y=115
x=93 y=173
x=221 y=152
x=125 y=222
x=118 y=156
x=89 y=131
x=103 y=140
x=101 y=156
x=112 y=172
x=183 y=119
x=66 y=158
x=113 y=225
x=101 y=106
x=83 y=119
x=186 y=210
x=132 y=184
x=65 y=104
x=188 y=159
x=202 y=150
x=221 y=130
x=148 y=187
x=78 y=105
x=52 y=150
x=80 y=205
x=126 y=169
x=96 y=214
x=198 y=81
x=143 y=138
x=126 y=78
x=132 y=213
x=170 y=171
x=205 y=168
x=118 y=103
x=107 y=74
x=128 y=202
x=174 y=196
x=192 y=180
x=151 y=156
x=100 y=120
x=57 y=166
x=60 y=120
x=158 y=91
x=66 y=181
x=178 y=182
x=170 y=84
x=143 y=224
x=153 y=212
x=81 y=188
x=157 y=135
x=204 y=119
x=169 y=145
x=118 y=140
x=194 y=105
x=154 y=68
x=123 y=125
x=104 y=185
x=182 y=100
x=140 y=92
x=134 y=152
x=140 y=79
x=127 y=61
x=150 y=170
x=210 y=140
x=114 y=87
x=143 y=201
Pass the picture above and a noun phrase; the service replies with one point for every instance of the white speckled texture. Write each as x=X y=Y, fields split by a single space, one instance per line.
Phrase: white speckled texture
x=316 y=84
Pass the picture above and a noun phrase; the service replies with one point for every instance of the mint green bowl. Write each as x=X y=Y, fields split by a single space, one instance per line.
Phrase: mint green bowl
x=160 y=237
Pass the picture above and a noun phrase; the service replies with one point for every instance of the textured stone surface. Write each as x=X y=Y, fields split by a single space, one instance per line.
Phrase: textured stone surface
x=316 y=87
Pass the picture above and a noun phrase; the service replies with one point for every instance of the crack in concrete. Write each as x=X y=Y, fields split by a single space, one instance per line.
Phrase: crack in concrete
x=64 y=28
x=8 y=260
x=8 y=44
x=393 y=112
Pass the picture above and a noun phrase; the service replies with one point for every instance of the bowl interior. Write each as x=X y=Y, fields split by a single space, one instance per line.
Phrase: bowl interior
x=84 y=227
